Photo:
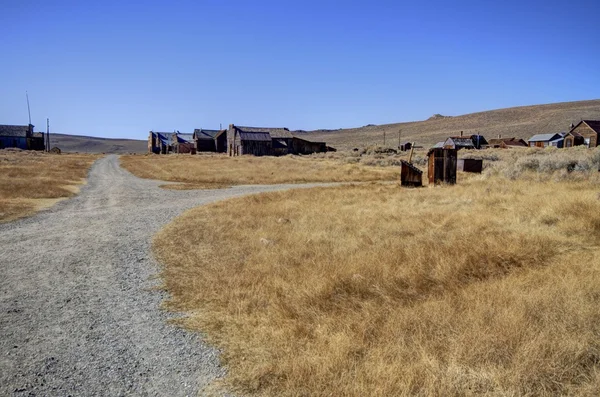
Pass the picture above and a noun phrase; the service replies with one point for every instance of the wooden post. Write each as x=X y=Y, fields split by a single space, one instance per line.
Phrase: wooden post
x=412 y=149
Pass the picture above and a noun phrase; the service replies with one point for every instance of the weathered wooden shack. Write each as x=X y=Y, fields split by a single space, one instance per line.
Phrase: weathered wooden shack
x=210 y=140
x=282 y=142
x=21 y=137
x=459 y=142
x=410 y=175
x=161 y=142
x=258 y=140
x=302 y=146
x=589 y=131
x=441 y=165
x=255 y=143
x=184 y=143
x=507 y=143
x=470 y=165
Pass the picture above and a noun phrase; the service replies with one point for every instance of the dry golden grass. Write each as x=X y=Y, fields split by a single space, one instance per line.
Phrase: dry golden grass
x=206 y=171
x=489 y=287
x=31 y=181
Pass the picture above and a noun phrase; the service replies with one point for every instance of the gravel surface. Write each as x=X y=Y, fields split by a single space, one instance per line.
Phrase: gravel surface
x=78 y=312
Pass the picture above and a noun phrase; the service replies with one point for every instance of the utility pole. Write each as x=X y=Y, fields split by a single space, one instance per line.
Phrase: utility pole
x=47 y=135
x=28 y=109
x=399 y=132
x=383 y=137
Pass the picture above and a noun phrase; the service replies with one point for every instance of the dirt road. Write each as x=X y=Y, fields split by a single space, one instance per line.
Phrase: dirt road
x=78 y=314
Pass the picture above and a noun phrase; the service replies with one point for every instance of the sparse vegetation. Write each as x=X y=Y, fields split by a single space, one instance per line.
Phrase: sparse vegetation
x=489 y=287
x=520 y=122
x=217 y=171
x=30 y=181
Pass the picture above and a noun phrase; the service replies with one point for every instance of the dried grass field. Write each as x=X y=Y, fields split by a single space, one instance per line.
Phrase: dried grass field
x=30 y=181
x=488 y=287
x=217 y=171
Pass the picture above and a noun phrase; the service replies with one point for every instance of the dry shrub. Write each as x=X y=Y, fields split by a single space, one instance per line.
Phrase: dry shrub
x=29 y=179
x=488 y=287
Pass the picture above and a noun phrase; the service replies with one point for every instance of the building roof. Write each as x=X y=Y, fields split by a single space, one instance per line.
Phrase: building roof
x=273 y=132
x=507 y=141
x=460 y=142
x=438 y=145
x=481 y=138
x=165 y=137
x=544 y=137
x=200 y=133
x=255 y=136
x=183 y=138
x=14 y=130
x=593 y=124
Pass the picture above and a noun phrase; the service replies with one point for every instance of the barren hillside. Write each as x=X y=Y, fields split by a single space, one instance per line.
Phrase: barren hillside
x=89 y=144
x=521 y=122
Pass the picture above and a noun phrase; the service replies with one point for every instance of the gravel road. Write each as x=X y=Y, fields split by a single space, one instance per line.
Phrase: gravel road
x=78 y=314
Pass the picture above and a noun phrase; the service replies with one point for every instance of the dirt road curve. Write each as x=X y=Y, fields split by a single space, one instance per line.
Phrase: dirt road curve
x=78 y=315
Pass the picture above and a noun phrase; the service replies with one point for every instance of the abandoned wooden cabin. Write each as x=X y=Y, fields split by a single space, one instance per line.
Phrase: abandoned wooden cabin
x=588 y=130
x=466 y=142
x=21 y=137
x=210 y=140
x=441 y=165
x=410 y=175
x=507 y=143
x=183 y=143
x=268 y=142
x=160 y=142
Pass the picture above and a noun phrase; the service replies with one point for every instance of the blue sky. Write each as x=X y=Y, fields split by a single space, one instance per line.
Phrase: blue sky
x=120 y=69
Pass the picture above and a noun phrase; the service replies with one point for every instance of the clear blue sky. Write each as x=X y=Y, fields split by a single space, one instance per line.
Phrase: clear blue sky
x=120 y=69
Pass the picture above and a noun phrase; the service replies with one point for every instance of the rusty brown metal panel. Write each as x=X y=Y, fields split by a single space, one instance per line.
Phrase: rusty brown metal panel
x=470 y=165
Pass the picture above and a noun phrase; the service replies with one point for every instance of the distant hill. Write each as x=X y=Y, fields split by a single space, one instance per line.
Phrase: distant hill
x=88 y=144
x=520 y=122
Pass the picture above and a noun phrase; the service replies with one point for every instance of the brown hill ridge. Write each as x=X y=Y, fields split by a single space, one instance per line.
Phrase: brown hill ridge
x=520 y=122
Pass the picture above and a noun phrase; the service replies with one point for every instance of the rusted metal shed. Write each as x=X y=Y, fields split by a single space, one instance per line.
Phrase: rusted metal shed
x=442 y=165
x=410 y=175
x=470 y=165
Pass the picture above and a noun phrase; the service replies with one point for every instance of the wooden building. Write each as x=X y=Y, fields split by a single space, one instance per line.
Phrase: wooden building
x=589 y=131
x=466 y=142
x=302 y=146
x=547 y=140
x=507 y=143
x=441 y=165
x=183 y=143
x=161 y=142
x=281 y=142
x=210 y=140
x=573 y=138
x=410 y=175
x=21 y=137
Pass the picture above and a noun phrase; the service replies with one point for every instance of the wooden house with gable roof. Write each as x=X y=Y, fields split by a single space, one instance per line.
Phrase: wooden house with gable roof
x=586 y=132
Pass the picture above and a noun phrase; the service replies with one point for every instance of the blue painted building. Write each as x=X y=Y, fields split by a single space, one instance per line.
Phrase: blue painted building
x=21 y=137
